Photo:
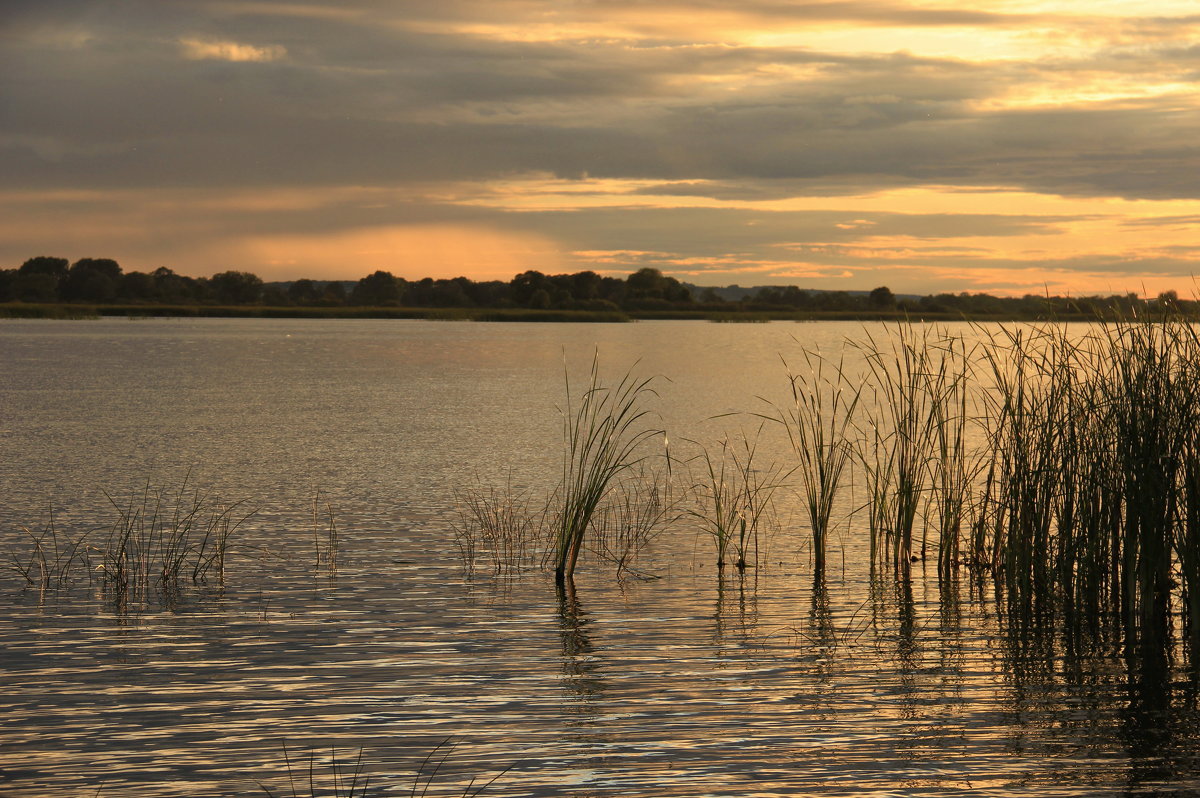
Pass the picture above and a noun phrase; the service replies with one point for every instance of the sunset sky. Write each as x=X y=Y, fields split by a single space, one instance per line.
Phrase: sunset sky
x=1006 y=146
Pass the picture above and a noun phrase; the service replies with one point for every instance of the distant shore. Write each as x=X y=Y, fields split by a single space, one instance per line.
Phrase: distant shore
x=23 y=310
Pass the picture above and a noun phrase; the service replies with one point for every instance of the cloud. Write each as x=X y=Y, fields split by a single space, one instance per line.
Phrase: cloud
x=685 y=128
x=201 y=49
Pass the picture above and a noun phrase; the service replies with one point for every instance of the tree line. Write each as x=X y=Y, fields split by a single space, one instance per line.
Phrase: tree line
x=100 y=281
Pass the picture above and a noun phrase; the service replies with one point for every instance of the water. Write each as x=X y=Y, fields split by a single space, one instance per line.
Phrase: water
x=678 y=685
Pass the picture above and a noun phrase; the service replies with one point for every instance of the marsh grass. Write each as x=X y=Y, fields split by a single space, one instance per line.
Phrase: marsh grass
x=326 y=539
x=53 y=562
x=604 y=431
x=913 y=447
x=502 y=526
x=159 y=544
x=1095 y=459
x=318 y=776
x=641 y=506
x=819 y=425
x=734 y=498
x=344 y=780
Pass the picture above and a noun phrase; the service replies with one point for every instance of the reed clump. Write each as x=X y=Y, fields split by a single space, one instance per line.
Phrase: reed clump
x=604 y=432
x=819 y=422
x=913 y=445
x=326 y=538
x=348 y=777
x=640 y=507
x=159 y=544
x=734 y=498
x=53 y=562
x=1096 y=450
x=503 y=527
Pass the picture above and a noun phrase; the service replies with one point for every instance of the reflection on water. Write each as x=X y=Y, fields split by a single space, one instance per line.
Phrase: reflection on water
x=768 y=682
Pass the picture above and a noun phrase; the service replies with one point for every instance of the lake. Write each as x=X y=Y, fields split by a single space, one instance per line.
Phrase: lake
x=669 y=679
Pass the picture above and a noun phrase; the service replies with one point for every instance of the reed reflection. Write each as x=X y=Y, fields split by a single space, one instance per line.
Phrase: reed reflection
x=582 y=678
x=736 y=607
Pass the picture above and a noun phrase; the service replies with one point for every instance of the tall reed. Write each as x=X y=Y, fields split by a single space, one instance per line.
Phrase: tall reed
x=53 y=561
x=603 y=431
x=641 y=506
x=1095 y=467
x=819 y=422
x=914 y=453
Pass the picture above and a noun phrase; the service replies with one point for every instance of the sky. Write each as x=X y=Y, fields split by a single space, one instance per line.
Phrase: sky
x=999 y=146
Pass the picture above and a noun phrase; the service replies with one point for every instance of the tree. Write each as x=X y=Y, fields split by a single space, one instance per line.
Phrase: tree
x=380 y=288
x=303 y=291
x=8 y=280
x=36 y=287
x=44 y=264
x=236 y=288
x=334 y=293
x=172 y=287
x=881 y=298
x=526 y=284
x=91 y=280
x=136 y=285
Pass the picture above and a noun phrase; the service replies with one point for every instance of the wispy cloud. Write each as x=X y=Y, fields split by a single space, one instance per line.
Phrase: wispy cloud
x=207 y=49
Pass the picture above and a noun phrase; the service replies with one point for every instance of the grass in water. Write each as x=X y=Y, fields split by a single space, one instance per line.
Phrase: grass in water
x=819 y=422
x=603 y=432
x=500 y=525
x=734 y=497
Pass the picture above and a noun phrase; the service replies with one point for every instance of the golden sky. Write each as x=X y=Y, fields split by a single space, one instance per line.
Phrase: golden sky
x=1007 y=146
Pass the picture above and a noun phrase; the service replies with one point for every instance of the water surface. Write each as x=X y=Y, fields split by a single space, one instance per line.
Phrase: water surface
x=683 y=684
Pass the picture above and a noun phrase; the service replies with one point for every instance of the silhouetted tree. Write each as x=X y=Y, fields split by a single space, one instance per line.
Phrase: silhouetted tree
x=380 y=288
x=36 y=287
x=8 y=279
x=236 y=288
x=44 y=264
x=136 y=286
x=523 y=287
x=333 y=293
x=303 y=292
x=91 y=280
x=175 y=288
x=881 y=298
x=651 y=284
x=38 y=279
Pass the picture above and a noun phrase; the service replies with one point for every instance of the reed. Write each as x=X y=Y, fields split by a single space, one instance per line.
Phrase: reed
x=734 y=497
x=502 y=525
x=159 y=542
x=1094 y=479
x=819 y=424
x=344 y=780
x=640 y=507
x=914 y=382
x=53 y=562
x=603 y=431
x=326 y=539
x=157 y=545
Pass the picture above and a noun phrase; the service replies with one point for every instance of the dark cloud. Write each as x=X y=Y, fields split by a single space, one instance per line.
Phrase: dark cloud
x=217 y=95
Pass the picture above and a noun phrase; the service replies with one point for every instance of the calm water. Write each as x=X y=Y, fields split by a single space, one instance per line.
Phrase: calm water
x=678 y=685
